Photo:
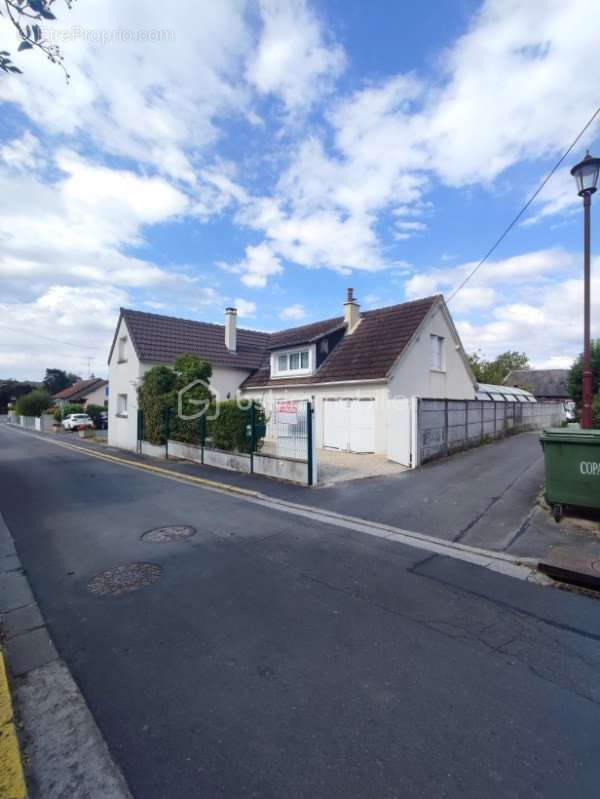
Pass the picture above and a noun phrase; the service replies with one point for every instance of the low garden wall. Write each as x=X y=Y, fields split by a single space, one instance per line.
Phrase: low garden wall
x=268 y=465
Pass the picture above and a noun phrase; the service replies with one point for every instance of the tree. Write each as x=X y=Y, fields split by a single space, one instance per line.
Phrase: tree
x=496 y=371
x=56 y=380
x=26 y=16
x=11 y=390
x=34 y=403
x=575 y=376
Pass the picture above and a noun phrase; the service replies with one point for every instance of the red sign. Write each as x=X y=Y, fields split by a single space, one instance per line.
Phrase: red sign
x=287 y=412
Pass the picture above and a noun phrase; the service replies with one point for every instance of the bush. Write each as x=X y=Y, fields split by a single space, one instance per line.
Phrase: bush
x=159 y=394
x=596 y=412
x=34 y=403
x=228 y=429
x=64 y=410
x=94 y=411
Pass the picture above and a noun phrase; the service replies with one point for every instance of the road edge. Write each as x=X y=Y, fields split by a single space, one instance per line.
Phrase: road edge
x=54 y=745
x=12 y=776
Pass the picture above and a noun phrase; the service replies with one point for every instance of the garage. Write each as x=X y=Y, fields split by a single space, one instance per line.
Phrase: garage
x=349 y=424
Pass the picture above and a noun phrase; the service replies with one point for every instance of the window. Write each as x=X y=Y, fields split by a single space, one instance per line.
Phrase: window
x=296 y=361
x=122 y=405
x=123 y=349
x=437 y=347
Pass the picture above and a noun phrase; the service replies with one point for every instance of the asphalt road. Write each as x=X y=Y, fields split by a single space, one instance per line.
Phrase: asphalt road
x=277 y=657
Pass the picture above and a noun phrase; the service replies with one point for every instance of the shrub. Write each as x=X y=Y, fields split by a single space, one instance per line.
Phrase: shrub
x=94 y=411
x=228 y=429
x=34 y=403
x=190 y=369
x=64 y=410
x=596 y=412
x=156 y=395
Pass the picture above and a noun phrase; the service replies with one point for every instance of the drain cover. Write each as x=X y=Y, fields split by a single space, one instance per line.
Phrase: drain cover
x=173 y=533
x=123 y=579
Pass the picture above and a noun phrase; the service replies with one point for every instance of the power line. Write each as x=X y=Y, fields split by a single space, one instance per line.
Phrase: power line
x=47 y=338
x=525 y=207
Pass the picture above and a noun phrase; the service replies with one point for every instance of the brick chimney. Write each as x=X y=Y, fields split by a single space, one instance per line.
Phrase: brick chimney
x=351 y=313
x=231 y=328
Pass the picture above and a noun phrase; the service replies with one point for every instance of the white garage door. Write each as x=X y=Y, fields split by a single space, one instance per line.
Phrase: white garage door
x=349 y=424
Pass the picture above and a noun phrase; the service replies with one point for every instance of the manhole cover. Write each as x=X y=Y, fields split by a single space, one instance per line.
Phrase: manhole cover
x=123 y=579
x=173 y=533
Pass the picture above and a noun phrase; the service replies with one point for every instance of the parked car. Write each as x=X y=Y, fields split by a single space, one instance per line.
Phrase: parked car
x=102 y=421
x=78 y=421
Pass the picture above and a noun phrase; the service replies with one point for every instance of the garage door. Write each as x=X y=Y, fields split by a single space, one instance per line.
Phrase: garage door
x=349 y=424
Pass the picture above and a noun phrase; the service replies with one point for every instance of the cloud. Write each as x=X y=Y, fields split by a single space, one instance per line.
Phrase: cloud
x=245 y=307
x=293 y=312
x=257 y=267
x=526 y=270
x=64 y=327
x=22 y=153
x=293 y=60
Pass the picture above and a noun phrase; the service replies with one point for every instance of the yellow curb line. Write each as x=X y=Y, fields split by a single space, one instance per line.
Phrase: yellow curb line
x=12 y=780
x=159 y=470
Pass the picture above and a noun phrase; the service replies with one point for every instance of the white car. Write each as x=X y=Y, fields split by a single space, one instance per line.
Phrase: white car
x=77 y=421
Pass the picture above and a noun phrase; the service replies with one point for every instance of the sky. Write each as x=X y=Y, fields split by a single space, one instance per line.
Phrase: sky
x=271 y=153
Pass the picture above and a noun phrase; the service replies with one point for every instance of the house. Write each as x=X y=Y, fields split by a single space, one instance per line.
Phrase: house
x=351 y=366
x=86 y=392
x=544 y=384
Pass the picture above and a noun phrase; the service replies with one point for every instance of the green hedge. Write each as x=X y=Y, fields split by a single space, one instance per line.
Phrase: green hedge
x=65 y=410
x=596 y=413
x=229 y=429
x=34 y=403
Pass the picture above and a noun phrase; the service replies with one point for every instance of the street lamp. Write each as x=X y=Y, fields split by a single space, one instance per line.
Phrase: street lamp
x=586 y=175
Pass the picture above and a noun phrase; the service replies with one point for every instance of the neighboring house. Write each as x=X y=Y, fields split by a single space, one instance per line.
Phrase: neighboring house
x=544 y=384
x=350 y=366
x=87 y=392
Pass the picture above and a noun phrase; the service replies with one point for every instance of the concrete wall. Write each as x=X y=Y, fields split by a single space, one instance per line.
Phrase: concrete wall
x=280 y=468
x=413 y=375
x=446 y=426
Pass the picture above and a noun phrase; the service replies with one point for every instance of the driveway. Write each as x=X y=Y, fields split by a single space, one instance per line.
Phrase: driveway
x=277 y=656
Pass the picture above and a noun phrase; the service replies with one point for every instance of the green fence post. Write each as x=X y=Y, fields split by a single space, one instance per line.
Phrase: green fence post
x=140 y=429
x=309 y=440
x=202 y=436
x=167 y=431
x=253 y=435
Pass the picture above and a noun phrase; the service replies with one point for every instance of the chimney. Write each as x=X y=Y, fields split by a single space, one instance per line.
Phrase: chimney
x=351 y=312
x=231 y=329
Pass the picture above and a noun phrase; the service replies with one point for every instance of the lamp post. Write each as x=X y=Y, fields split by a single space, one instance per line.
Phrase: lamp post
x=586 y=175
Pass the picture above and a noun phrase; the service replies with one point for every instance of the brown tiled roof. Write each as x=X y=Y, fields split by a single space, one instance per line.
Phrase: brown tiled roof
x=541 y=382
x=81 y=389
x=368 y=354
x=162 y=339
x=305 y=334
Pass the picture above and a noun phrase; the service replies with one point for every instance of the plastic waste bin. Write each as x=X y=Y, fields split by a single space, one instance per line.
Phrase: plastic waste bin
x=572 y=458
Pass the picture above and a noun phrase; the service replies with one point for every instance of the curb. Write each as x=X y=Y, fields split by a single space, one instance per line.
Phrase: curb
x=12 y=779
x=521 y=568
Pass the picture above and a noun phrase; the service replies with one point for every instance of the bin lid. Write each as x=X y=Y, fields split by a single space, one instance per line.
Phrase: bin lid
x=571 y=435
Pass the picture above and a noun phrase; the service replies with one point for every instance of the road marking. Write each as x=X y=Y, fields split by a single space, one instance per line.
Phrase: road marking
x=520 y=568
x=12 y=780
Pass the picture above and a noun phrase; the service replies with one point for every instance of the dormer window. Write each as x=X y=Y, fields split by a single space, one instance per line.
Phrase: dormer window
x=292 y=362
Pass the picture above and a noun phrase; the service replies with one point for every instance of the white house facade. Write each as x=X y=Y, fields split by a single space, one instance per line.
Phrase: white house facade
x=357 y=368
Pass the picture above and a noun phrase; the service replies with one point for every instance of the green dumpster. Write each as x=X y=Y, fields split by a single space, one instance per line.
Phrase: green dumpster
x=572 y=459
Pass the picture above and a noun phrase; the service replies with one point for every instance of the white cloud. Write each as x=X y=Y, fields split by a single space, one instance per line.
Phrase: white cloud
x=546 y=323
x=23 y=153
x=63 y=328
x=245 y=307
x=527 y=270
x=257 y=267
x=293 y=312
x=293 y=60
